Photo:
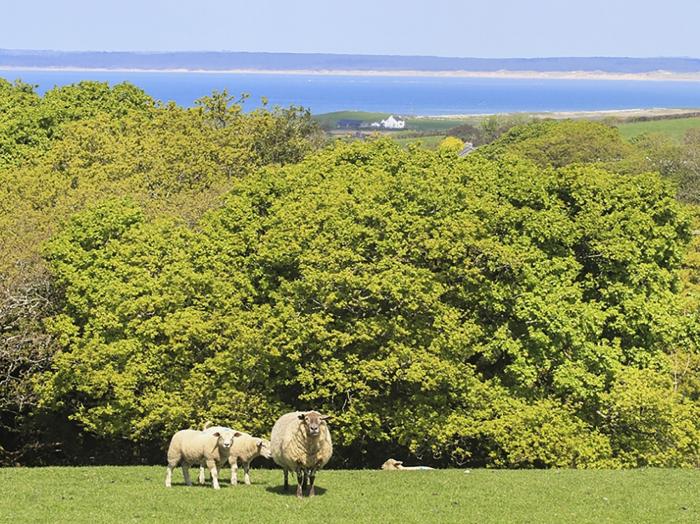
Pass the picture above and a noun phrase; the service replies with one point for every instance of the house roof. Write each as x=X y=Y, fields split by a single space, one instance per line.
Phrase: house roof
x=468 y=148
x=348 y=122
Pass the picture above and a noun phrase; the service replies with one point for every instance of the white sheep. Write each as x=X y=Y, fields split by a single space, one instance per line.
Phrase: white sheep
x=301 y=442
x=189 y=447
x=245 y=449
x=392 y=464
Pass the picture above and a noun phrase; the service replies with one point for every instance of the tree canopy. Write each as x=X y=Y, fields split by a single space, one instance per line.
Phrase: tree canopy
x=481 y=311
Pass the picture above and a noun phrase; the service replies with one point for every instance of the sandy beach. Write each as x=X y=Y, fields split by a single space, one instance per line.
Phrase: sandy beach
x=656 y=112
x=544 y=75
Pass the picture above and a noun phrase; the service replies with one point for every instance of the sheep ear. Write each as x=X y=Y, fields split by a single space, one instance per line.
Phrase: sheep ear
x=398 y=462
x=302 y=416
x=259 y=442
x=237 y=434
x=325 y=417
x=216 y=434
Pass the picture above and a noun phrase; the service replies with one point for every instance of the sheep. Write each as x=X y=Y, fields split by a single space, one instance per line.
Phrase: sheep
x=245 y=449
x=189 y=446
x=301 y=442
x=392 y=464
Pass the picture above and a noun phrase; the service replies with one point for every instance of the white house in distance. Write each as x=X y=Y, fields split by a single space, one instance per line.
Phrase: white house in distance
x=390 y=123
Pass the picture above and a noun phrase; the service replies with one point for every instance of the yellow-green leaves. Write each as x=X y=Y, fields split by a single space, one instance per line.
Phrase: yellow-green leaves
x=481 y=310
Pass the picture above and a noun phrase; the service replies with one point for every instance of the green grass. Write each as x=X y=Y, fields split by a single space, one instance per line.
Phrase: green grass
x=674 y=127
x=428 y=141
x=436 y=124
x=137 y=494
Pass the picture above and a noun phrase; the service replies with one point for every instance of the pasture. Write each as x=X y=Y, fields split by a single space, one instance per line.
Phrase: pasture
x=137 y=494
x=673 y=127
x=427 y=141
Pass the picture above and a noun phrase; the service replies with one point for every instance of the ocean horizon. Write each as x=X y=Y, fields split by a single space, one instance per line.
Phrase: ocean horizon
x=403 y=95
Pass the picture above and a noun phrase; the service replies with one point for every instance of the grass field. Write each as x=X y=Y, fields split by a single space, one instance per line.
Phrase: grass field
x=437 y=124
x=674 y=127
x=137 y=494
x=330 y=119
x=428 y=141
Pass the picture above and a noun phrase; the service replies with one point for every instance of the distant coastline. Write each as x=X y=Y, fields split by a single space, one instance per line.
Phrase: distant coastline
x=402 y=92
x=666 y=76
x=238 y=62
x=652 y=113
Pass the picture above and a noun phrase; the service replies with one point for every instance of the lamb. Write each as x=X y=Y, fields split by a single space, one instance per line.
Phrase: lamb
x=188 y=447
x=301 y=442
x=392 y=464
x=245 y=449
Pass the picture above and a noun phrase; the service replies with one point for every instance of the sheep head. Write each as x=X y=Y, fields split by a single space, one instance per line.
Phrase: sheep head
x=225 y=438
x=392 y=464
x=313 y=421
x=264 y=448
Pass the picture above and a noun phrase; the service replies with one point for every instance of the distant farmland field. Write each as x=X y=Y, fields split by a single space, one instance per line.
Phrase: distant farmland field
x=428 y=141
x=674 y=127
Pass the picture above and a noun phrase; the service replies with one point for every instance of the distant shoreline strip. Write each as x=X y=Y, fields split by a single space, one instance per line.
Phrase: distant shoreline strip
x=503 y=74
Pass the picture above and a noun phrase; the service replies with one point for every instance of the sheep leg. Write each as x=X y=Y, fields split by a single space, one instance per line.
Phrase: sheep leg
x=312 y=478
x=234 y=472
x=200 y=479
x=169 y=476
x=211 y=464
x=286 y=480
x=246 y=469
x=300 y=479
x=305 y=484
x=186 y=474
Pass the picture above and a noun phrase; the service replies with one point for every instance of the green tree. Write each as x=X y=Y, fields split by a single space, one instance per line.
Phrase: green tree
x=560 y=143
x=467 y=310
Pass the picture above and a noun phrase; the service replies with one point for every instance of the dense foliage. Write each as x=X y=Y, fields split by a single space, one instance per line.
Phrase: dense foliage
x=533 y=304
x=487 y=130
x=472 y=311
x=83 y=143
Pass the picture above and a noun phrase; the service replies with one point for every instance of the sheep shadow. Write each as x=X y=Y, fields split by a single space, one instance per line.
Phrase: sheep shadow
x=224 y=485
x=279 y=490
x=194 y=485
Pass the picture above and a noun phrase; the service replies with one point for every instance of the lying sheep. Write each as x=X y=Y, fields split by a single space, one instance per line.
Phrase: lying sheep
x=301 y=442
x=188 y=447
x=392 y=464
x=245 y=449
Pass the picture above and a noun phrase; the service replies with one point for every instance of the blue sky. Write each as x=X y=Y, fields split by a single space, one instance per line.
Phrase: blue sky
x=485 y=28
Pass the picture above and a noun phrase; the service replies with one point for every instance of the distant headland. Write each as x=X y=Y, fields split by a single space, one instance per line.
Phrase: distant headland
x=612 y=68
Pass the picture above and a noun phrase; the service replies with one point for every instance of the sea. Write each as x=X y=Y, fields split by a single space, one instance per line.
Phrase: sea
x=392 y=94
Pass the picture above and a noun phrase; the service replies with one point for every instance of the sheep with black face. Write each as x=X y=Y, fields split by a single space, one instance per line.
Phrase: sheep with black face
x=301 y=442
